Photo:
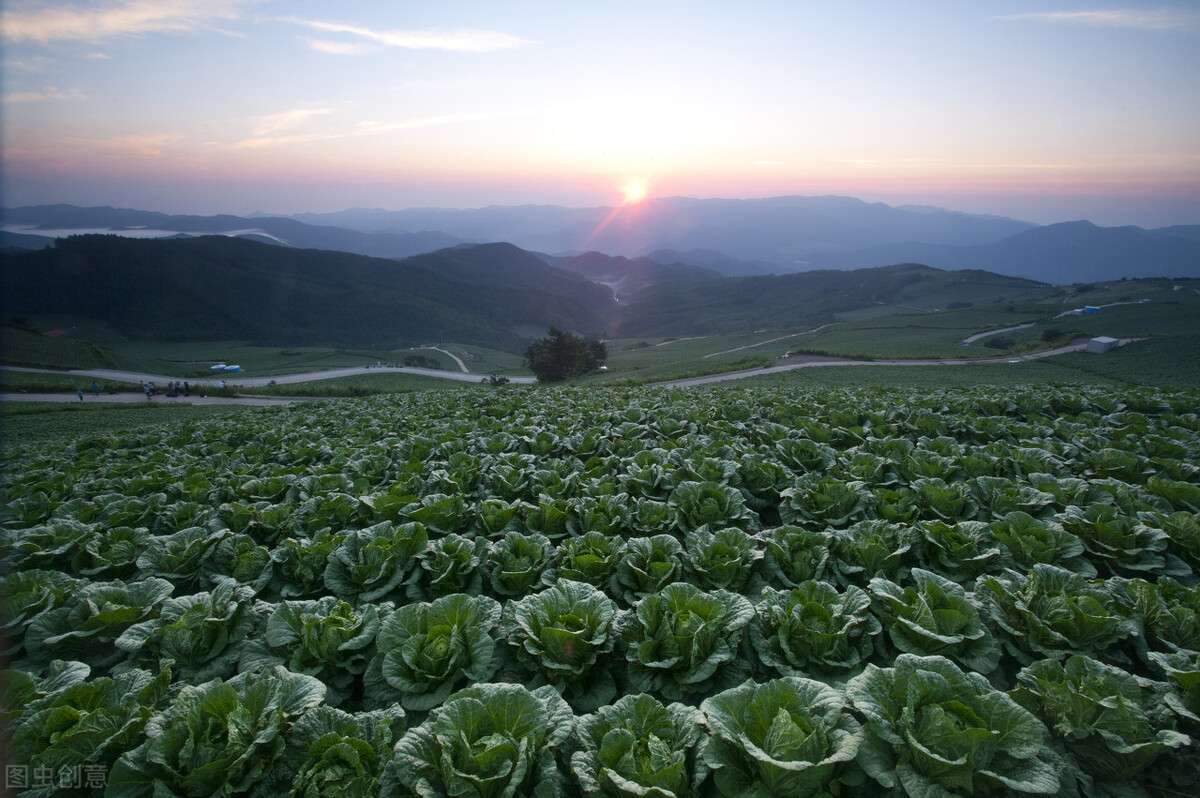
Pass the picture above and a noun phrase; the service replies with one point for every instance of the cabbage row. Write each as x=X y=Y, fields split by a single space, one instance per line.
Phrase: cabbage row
x=627 y=592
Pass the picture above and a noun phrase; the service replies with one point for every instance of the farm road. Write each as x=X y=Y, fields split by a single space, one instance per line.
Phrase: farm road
x=134 y=398
x=989 y=333
x=234 y=380
x=461 y=365
x=812 y=361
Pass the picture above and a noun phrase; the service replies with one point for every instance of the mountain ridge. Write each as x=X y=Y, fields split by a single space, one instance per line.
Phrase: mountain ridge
x=288 y=232
x=776 y=235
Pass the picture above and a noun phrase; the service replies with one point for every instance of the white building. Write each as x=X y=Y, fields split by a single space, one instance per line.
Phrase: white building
x=1102 y=344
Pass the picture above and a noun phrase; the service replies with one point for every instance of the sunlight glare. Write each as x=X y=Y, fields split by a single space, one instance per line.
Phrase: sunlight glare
x=635 y=192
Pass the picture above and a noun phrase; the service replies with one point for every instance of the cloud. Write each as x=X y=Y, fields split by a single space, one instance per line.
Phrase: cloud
x=273 y=123
x=341 y=48
x=123 y=18
x=369 y=128
x=34 y=64
x=49 y=93
x=1138 y=19
x=145 y=144
x=461 y=40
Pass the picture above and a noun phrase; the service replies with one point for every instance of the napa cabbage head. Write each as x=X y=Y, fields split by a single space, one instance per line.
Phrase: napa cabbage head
x=181 y=557
x=647 y=566
x=300 y=564
x=591 y=558
x=824 y=499
x=202 y=634
x=1028 y=541
x=241 y=559
x=26 y=594
x=933 y=730
x=722 y=558
x=998 y=496
x=813 y=628
x=786 y=737
x=425 y=650
x=518 y=564
x=332 y=753
x=1114 y=724
x=929 y=614
x=959 y=551
x=948 y=501
x=1120 y=542
x=370 y=564
x=561 y=634
x=486 y=740
x=1051 y=612
x=1167 y=612
x=326 y=638
x=793 y=555
x=450 y=564
x=66 y=722
x=684 y=640
x=111 y=553
x=220 y=737
x=87 y=626
x=715 y=503
x=873 y=548
x=639 y=747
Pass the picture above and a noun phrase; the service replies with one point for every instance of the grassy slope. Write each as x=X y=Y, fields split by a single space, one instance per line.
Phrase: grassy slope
x=812 y=298
x=26 y=348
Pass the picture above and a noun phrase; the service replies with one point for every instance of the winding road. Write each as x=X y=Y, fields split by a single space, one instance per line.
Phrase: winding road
x=989 y=333
x=233 y=380
x=206 y=390
x=814 y=361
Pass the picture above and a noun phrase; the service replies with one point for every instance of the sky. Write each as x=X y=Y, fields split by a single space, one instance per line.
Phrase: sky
x=1043 y=111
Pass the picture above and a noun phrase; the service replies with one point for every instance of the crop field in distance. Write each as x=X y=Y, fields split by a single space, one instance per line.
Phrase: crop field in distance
x=773 y=589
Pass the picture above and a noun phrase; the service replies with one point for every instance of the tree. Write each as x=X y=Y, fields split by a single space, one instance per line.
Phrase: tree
x=562 y=354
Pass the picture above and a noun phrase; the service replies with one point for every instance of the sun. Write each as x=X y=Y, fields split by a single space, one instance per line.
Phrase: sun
x=635 y=192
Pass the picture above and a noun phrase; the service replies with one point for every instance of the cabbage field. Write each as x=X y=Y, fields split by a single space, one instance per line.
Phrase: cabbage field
x=636 y=592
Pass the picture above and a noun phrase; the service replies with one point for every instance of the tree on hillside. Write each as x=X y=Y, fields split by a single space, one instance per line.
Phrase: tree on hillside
x=562 y=354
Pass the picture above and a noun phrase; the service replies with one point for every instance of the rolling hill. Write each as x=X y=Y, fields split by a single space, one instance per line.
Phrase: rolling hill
x=743 y=304
x=217 y=288
x=496 y=295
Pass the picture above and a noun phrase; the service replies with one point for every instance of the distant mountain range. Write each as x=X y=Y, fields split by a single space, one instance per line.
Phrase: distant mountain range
x=1069 y=252
x=39 y=224
x=729 y=237
x=783 y=232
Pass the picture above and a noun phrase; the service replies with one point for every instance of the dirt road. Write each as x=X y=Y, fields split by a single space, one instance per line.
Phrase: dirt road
x=813 y=361
x=135 y=398
x=234 y=380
